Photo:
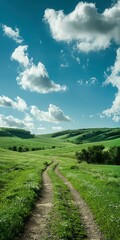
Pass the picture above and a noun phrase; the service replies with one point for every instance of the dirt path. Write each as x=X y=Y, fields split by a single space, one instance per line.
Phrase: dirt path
x=36 y=228
x=92 y=230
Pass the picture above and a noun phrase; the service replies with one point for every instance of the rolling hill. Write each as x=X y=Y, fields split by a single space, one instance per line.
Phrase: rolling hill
x=87 y=135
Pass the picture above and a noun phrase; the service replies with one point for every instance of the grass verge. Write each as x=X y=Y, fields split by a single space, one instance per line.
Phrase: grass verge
x=21 y=182
x=99 y=185
x=65 y=220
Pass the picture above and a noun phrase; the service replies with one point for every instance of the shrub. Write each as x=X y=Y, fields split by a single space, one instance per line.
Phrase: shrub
x=96 y=154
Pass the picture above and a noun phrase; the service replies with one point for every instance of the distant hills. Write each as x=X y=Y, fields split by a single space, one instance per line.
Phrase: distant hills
x=15 y=132
x=80 y=136
x=77 y=136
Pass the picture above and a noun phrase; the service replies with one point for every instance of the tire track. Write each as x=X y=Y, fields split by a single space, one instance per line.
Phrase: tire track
x=36 y=228
x=92 y=229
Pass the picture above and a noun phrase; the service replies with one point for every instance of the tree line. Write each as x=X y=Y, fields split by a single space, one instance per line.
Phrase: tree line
x=26 y=149
x=97 y=154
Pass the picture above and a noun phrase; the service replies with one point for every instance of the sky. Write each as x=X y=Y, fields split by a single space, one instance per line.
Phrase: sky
x=59 y=64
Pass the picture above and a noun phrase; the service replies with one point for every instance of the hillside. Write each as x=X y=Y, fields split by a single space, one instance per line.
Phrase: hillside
x=15 y=132
x=87 y=135
x=19 y=138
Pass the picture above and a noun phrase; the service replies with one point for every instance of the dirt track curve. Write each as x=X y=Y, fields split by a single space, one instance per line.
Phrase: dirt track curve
x=36 y=228
x=92 y=230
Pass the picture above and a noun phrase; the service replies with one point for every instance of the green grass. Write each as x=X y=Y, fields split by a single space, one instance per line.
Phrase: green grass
x=69 y=149
x=21 y=180
x=99 y=185
x=87 y=135
x=37 y=142
x=20 y=184
x=65 y=220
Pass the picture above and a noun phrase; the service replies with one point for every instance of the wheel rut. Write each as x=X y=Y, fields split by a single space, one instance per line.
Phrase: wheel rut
x=92 y=229
x=36 y=228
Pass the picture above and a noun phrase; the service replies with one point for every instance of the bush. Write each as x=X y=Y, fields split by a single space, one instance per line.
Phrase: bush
x=96 y=154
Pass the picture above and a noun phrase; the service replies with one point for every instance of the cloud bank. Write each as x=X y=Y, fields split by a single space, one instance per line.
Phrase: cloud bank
x=10 y=121
x=114 y=79
x=54 y=114
x=85 y=26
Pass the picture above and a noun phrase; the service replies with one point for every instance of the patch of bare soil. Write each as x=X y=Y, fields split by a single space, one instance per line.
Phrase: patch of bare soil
x=36 y=228
x=92 y=229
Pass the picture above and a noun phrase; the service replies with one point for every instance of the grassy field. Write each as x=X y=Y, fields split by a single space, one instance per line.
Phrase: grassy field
x=20 y=183
x=69 y=149
x=37 y=142
x=99 y=185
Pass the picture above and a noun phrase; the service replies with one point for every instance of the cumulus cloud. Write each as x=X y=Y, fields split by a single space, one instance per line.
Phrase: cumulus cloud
x=14 y=34
x=35 y=78
x=85 y=26
x=18 y=104
x=21 y=56
x=114 y=110
x=114 y=79
x=54 y=114
x=10 y=121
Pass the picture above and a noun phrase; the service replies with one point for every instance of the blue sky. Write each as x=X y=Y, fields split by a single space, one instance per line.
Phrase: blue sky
x=59 y=64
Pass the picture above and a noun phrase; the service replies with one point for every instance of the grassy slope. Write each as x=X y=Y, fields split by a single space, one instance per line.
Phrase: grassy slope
x=21 y=179
x=42 y=141
x=20 y=183
x=88 y=135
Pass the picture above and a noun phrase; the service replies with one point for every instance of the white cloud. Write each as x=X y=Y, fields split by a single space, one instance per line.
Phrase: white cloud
x=114 y=79
x=35 y=78
x=29 y=122
x=114 y=110
x=28 y=118
x=85 y=26
x=89 y=82
x=18 y=104
x=57 y=129
x=10 y=121
x=54 y=114
x=14 y=34
x=21 y=56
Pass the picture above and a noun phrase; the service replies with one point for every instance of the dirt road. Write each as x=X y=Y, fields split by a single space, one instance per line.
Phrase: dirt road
x=36 y=228
x=92 y=230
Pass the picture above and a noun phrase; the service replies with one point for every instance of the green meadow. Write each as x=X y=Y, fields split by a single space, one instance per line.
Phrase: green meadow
x=21 y=183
